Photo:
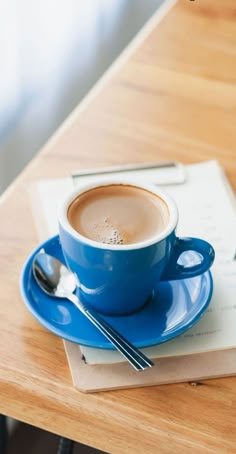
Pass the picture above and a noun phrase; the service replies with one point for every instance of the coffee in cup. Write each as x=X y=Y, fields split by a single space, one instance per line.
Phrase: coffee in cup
x=118 y=214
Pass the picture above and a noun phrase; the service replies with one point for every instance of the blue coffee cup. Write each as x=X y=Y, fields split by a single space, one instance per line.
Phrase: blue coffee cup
x=119 y=279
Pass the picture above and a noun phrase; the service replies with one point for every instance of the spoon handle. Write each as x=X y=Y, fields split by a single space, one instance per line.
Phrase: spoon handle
x=135 y=357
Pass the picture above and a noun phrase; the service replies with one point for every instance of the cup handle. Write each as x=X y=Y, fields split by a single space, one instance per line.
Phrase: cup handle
x=175 y=270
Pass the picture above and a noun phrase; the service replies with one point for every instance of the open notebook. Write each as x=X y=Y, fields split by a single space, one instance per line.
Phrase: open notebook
x=207 y=209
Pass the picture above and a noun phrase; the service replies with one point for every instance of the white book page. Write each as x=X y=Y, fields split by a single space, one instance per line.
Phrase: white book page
x=207 y=210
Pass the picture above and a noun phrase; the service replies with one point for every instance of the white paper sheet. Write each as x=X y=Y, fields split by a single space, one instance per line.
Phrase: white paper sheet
x=207 y=210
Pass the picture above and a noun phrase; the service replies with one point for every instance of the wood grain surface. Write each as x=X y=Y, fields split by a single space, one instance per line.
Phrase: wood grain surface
x=175 y=98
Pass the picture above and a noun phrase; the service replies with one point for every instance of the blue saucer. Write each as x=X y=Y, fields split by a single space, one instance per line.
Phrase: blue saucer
x=176 y=307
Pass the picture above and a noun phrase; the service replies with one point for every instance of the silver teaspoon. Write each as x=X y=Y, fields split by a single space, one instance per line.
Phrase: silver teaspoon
x=57 y=281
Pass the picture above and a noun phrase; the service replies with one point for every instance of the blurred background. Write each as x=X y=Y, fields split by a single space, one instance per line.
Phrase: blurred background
x=51 y=54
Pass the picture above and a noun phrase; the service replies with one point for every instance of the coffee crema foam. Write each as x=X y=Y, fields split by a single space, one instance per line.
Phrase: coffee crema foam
x=118 y=214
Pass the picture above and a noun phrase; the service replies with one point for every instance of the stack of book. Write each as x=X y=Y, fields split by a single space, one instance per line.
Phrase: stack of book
x=207 y=210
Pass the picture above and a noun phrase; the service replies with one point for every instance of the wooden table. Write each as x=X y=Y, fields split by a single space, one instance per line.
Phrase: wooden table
x=174 y=98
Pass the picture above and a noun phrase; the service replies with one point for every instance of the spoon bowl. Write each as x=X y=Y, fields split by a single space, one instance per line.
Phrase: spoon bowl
x=52 y=276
